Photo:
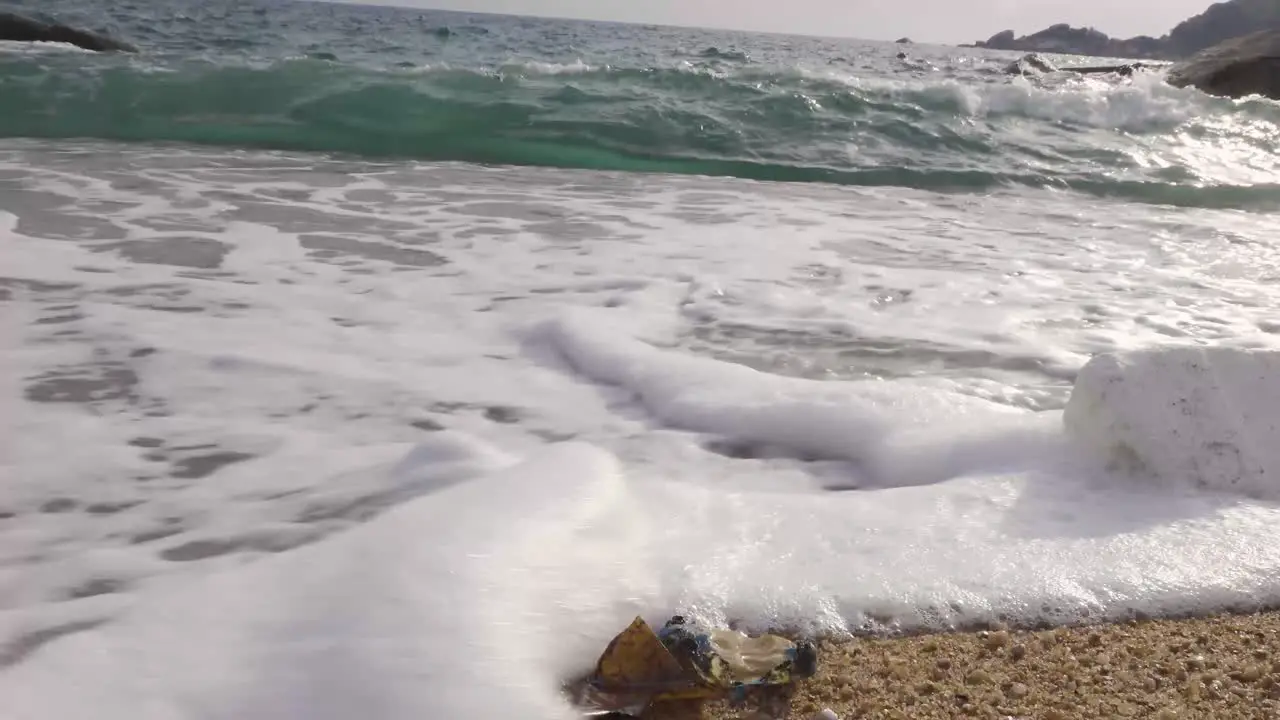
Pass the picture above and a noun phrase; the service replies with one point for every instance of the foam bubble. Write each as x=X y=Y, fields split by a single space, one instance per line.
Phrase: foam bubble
x=1184 y=417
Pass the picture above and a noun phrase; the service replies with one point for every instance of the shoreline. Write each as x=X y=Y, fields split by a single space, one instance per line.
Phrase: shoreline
x=1223 y=666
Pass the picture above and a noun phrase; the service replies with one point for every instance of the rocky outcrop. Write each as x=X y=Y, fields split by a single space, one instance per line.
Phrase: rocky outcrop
x=1248 y=65
x=1057 y=39
x=1004 y=40
x=1237 y=68
x=1220 y=22
x=1034 y=64
x=23 y=29
x=1030 y=65
x=1075 y=41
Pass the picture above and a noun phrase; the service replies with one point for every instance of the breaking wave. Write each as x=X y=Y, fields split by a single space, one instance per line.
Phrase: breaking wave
x=716 y=113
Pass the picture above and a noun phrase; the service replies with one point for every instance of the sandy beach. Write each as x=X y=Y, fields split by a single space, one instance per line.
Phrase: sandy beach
x=1222 y=667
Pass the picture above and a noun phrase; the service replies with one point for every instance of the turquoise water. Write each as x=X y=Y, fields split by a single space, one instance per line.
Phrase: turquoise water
x=386 y=82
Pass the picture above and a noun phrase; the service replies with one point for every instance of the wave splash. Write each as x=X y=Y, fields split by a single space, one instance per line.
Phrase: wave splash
x=1140 y=140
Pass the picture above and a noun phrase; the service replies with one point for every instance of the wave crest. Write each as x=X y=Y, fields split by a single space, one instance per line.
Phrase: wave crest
x=935 y=131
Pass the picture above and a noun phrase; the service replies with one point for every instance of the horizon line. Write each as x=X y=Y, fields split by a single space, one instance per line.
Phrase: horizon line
x=393 y=4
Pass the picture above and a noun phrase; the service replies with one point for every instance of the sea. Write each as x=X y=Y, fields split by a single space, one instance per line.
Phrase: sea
x=371 y=362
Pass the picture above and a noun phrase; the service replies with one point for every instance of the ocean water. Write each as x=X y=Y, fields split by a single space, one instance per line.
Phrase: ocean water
x=374 y=362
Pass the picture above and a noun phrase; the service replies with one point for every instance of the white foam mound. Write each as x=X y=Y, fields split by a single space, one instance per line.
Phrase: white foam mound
x=1189 y=417
x=470 y=603
x=500 y=575
x=894 y=431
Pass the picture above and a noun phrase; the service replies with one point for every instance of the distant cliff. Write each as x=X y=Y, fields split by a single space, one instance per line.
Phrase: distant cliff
x=1221 y=21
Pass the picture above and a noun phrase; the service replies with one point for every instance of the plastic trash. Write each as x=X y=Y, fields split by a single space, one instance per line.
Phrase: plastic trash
x=682 y=661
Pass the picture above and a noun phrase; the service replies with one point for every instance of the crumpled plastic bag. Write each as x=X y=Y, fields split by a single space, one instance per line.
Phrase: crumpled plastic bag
x=684 y=661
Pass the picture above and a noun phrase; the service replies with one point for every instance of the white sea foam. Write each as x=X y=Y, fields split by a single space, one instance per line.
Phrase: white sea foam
x=1143 y=102
x=1204 y=418
x=1210 y=141
x=286 y=437
x=13 y=47
x=535 y=67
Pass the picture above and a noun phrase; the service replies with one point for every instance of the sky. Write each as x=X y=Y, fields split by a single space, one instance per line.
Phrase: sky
x=943 y=21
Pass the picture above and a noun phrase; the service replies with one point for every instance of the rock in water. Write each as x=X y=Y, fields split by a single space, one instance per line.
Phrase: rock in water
x=1126 y=70
x=24 y=29
x=1032 y=64
x=1248 y=65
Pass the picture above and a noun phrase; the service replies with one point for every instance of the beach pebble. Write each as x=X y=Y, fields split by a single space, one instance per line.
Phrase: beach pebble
x=997 y=639
x=825 y=714
x=979 y=677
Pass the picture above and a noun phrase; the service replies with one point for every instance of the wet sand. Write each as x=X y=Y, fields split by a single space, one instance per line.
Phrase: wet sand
x=1220 y=668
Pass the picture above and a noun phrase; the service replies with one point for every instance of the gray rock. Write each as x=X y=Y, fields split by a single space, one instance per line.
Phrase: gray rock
x=1031 y=65
x=1035 y=64
x=23 y=29
x=1248 y=65
x=1125 y=70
